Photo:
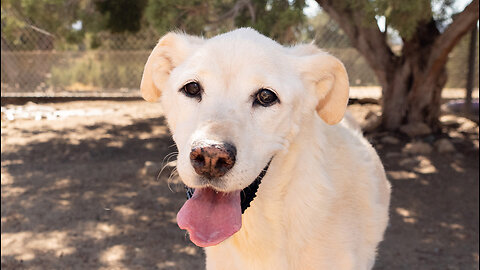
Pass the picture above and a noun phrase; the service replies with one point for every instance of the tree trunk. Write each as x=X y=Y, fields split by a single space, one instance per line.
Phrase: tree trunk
x=412 y=93
x=401 y=104
x=412 y=82
x=424 y=104
x=394 y=97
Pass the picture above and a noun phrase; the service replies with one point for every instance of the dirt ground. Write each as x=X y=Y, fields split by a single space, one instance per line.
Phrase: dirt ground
x=76 y=193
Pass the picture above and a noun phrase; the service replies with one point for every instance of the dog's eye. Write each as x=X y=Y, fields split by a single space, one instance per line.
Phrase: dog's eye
x=192 y=90
x=265 y=98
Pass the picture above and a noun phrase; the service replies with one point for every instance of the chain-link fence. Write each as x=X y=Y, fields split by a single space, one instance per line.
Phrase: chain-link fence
x=32 y=61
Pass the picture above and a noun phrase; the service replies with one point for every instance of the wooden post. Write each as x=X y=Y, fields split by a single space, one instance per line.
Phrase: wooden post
x=471 y=69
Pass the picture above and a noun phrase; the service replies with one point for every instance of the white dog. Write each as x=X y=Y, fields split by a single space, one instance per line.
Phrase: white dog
x=247 y=113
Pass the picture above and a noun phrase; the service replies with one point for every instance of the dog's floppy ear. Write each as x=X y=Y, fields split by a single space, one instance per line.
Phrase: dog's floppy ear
x=171 y=51
x=328 y=78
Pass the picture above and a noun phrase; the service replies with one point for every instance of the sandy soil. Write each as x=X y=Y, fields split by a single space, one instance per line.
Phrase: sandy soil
x=76 y=194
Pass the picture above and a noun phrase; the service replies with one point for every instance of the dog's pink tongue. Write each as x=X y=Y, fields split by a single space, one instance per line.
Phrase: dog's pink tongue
x=211 y=217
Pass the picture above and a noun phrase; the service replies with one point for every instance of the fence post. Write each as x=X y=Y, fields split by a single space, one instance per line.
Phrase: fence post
x=471 y=69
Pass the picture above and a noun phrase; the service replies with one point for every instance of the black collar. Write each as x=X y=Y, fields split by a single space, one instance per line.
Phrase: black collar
x=247 y=195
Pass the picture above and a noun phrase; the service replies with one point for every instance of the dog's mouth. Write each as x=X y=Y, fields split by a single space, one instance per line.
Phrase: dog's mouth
x=210 y=216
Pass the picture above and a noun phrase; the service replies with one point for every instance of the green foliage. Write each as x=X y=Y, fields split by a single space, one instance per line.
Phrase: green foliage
x=48 y=24
x=32 y=28
x=279 y=19
x=121 y=15
x=10 y=28
x=405 y=15
x=186 y=15
x=45 y=24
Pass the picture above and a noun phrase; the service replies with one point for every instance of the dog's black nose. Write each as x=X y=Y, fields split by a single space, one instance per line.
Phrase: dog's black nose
x=212 y=160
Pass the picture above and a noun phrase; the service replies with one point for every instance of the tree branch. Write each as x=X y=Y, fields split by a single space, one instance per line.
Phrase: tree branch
x=461 y=24
x=364 y=34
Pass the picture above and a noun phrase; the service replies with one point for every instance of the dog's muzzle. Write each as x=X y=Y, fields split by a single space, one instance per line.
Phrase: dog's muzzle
x=248 y=194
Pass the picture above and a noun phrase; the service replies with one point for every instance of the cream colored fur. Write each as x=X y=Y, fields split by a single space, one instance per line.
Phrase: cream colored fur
x=323 y=203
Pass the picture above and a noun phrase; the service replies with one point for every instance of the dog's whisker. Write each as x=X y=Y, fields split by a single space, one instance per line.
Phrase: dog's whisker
x=165 y=166
x=170 y=178
x=169 y=187
x=165 y=163
x=169 y=156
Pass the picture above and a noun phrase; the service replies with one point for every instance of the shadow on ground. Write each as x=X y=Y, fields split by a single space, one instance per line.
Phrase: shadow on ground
x=434 y=210
x=89 y=205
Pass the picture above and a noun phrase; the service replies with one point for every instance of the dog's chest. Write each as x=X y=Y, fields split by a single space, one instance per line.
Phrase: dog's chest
x=230 y=257
x=258 y=245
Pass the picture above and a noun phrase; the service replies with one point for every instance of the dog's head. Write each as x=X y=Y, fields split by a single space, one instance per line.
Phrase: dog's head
x=236 y=99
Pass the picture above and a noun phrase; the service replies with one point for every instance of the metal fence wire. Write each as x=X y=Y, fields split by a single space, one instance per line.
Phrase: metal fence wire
x=33 y=62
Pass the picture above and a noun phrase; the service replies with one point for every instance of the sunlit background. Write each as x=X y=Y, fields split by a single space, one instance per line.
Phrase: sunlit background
x=88 y=168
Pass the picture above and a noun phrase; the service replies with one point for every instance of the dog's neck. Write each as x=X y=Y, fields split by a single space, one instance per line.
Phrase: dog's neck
x=290 y=164
x=287 y=166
